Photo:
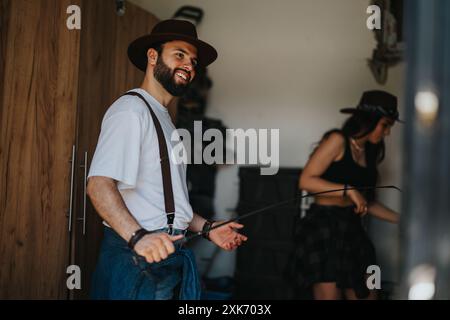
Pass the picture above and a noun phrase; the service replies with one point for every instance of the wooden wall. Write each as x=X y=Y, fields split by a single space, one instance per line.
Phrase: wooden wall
x=55 y=86
x=105 y=74
x=38 y=111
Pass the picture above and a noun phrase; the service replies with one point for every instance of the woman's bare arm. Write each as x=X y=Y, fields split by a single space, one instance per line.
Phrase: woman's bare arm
x=378 y=210
x=329 y=150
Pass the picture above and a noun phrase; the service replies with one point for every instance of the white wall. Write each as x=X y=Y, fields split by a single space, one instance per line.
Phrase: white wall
x=291 y=64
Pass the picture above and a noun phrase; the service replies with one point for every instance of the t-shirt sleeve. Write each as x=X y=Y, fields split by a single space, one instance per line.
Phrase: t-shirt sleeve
x=118 y=150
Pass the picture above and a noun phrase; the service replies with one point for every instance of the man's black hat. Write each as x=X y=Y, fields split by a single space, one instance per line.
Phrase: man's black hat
x=170 y=30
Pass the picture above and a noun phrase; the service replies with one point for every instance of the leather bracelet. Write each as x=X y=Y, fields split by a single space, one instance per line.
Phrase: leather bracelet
x=345 y=190
x=136 y=236
x=206 y=228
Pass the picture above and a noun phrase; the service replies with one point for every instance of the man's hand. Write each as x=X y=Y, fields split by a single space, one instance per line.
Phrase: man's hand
x=226 y=237
x=155 y=247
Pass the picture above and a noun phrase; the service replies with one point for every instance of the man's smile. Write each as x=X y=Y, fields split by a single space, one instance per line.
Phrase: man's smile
x=183 y=75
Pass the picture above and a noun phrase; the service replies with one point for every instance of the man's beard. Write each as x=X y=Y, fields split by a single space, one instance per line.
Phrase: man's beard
x=166 y=77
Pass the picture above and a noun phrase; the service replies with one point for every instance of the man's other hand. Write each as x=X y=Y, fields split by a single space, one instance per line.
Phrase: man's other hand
x=227 y=237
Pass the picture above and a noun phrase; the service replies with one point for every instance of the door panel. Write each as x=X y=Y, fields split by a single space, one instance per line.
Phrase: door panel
x=37 y=124
x=105 y=74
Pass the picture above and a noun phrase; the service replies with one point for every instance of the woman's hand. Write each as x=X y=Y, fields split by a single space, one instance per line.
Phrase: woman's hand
x=358 y=199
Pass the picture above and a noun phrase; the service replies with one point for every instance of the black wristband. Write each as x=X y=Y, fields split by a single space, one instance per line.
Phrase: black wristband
x=206 y=228
x=345 y=190
x=136 y=236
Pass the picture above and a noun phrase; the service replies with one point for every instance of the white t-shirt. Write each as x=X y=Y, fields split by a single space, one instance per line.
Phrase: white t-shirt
x=128 y=152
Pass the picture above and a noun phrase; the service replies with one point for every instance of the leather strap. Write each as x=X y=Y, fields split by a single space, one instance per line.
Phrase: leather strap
x=136 y=236
x=169 y=202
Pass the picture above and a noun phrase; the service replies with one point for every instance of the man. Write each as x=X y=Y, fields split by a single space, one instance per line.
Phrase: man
x=140 y=194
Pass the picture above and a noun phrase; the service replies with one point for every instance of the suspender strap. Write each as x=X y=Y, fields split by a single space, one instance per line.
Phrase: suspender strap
x=165 y=164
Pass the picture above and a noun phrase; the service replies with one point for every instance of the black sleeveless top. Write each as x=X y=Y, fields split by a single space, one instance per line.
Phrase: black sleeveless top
x=347 y=171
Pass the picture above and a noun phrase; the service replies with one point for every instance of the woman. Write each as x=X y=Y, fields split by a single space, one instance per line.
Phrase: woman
x=333 y=250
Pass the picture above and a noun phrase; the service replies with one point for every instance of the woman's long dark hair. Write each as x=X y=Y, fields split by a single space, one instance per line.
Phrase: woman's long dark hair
x=357 y=126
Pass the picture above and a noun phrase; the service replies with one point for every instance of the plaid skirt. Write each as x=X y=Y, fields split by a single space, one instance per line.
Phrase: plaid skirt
x=331 y=245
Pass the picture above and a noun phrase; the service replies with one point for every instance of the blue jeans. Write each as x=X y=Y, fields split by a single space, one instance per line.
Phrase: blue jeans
x=122 y=274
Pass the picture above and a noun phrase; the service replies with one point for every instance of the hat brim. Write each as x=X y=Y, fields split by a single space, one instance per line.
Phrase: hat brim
x=348 y=110
x=137 y=50
x=354 y=110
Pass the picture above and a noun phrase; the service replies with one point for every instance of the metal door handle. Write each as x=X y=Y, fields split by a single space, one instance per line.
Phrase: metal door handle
x=85 y=166
x=72 y=172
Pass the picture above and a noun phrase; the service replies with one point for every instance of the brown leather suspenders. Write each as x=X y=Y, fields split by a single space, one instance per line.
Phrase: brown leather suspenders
x=165 y=165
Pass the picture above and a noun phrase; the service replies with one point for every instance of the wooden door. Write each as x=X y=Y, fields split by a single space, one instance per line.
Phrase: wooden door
x=105 y=74
x=38 y=85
